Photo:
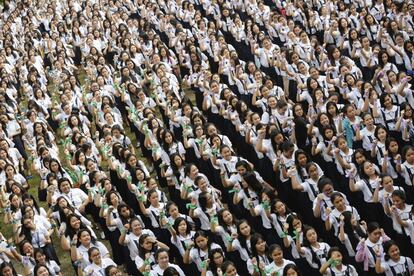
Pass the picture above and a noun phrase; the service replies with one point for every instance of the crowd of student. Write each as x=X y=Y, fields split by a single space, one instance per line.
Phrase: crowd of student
x=295 y=157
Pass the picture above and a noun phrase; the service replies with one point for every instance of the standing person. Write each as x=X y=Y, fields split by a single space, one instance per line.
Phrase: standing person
x=394 y=264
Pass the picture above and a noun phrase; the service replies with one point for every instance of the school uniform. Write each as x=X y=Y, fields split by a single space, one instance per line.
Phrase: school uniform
x=273 y=268
x=404 y=266
x=95 y=270
x=158 y=271
x=83 y=251
x=198 y=256
x=321 y=254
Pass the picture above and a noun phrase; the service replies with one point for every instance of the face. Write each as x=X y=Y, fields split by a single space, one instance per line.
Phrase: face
x=54 y=166
x=96 y=256
x=324 y=120
x=382 y=134
x=42 y=271
x=245 y=229
x=85 y=238
x=261 y=246
x=10 y=170
x=327 y=190
x=394 y=252
x=313 y=172
x=41 y=258
x=231 y=271
x=409 y=156
x=299 y=111
x=280 y=208
x=277 y=255
x=75 y=222
x=398 y=202
x=7 y=271
x=311 y=236
x=114 y=272
x=296 y=223
x=226 y=153
x=227 y=217
x=136 y=227
x=375 y=235
x=218 y=259
x=163 y=259
x=368 y=120
x=350 y=112
x=339 y=203
x=147 y=244
x=15 y=201
x=337 y=256
x=329 y=133
x=201 y=242
x=125 y=212
x=369 y=168
x=65 y=187
x=28 y=249
x=182 y=227
x=153 y=199
x=302 y=159
x=193 y=171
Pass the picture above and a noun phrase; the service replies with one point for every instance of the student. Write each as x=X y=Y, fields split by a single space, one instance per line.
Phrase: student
x=365 y=250
x=334 y=265
x=394 y=263
x=197 y=251
x=279 y=263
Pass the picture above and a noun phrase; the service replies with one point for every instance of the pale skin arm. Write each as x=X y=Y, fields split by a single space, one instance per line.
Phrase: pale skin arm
x=317 y=210
x=352 y=185
x=295 y=184
x=341 y=161
x=375 y=197
x=341 y=228
x=186 y=258
x=328 y=225
x=378 y=268
x=259 y=145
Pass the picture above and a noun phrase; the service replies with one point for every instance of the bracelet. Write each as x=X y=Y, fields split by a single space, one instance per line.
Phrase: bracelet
x=141 y=198
x=235 y=190
x=284 y=235
x=266 y=205
x=191 y=206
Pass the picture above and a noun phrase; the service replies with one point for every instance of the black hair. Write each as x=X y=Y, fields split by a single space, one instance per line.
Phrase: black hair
x=399 y=193
x=253 y=183
x=372 y=226
x=38 y=266
x=170 y=271
x=291 y=266
x=323 y=182
x=8 y=264
x=177 y=223
x=387 y=245
x=306 y=243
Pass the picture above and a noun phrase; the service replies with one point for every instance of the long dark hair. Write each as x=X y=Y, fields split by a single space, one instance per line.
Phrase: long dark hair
x=212 y=265
x=241 y=238
x=354 y=232
x=175 y=169
x=298 y=167
x=69 y=231
x=291 y=266
x=253 y=241
x=306 y=243
x=252 y=182
x=8 y=264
